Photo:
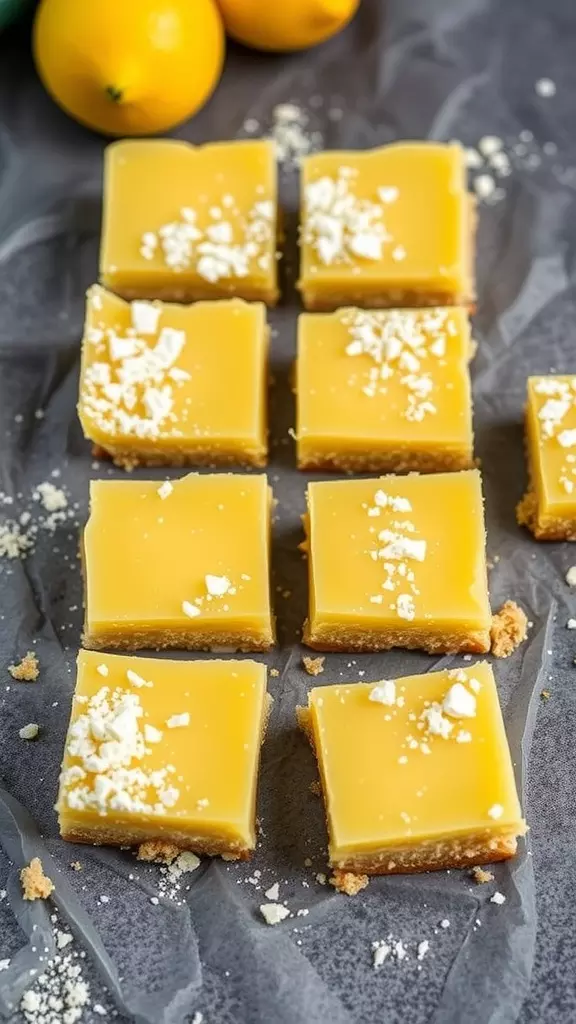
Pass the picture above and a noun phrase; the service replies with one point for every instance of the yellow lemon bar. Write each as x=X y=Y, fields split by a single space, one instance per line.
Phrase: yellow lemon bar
x=416 y=772
x=549 y=507
x=183 y=564
x=185 y=222
x=384 y=390
x=172 y=384
x=388 y=227
x=398 y=562
x=163 y=750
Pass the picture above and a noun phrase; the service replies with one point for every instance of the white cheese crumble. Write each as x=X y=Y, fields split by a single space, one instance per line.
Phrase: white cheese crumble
x=102 y=670
x=152 y=734
x=274 y=913
x=459 y=702
x=436 y=723
x=145 y=317
x=338 y=225
x=29 y=732
x=571 y=576
x=405 y=607
x=107 y=751
x=135 y=680
x=498 y=898
x=189 y=609
x=165 y=490
x=217 y=586
x=384 y=693
x=178 y=721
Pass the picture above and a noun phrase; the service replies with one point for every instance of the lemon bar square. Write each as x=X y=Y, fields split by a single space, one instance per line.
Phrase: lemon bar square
x=184 y=222
x=384 y=390
x=388 y=227
x=398 y=562
x=416 y=772
x=181 y=564
x=167 y=384
x=548 y=508
x=163 y=751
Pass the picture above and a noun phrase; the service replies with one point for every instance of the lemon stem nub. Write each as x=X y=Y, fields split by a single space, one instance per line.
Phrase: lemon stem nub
x=114 y=94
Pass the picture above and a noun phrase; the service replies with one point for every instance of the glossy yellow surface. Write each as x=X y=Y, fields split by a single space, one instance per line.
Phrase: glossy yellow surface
x=388 y=386
x=551 y=432
x=148 y=557
x=207 y=761
x=190 y=222
x=364 y=571
x=207 y=361
x=394 y=221
x=383 y=790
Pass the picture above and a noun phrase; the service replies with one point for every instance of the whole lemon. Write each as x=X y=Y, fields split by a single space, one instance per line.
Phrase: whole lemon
x=285 y=24
x=129 y=67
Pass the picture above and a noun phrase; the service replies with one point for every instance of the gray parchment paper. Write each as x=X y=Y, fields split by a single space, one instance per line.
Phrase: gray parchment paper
x=417 y=68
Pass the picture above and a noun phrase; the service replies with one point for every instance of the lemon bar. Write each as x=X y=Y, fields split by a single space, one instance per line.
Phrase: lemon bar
x=416 y=772
x=398 y=562
x=184 y=222
x=384 y=390
x=549 y=507
x=166 y=384
x=183 y=563
x=389 y=227
x=163 y=750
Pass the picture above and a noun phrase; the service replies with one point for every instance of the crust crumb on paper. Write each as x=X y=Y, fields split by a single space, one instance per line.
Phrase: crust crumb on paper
x=313 y=666
x=159 y=851
x=27 y=669
x=315 y=787
x=509 y=629
x=35 y=884
x=347 y=882
x=480 y=875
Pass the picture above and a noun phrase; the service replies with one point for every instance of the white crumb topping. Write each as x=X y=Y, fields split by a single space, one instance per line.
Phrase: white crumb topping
x=135 y=680
x=435 y=722
x=152 y=734
x=273 y=893
x=384 y=693
x=165 y=490
x=496 y=811
x=274 y=913
x=224 y=249
x=189 y=609
x=459 y=702
x=106 y=749
x=217 y=586
x=145 y=316
x=406 y=346
x=405 y=607
x=102 y=669
x=178 y=721
x=340 y=227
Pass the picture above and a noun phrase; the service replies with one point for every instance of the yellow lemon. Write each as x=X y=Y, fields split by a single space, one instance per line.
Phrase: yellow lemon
x=129 y=67
x=285 y=24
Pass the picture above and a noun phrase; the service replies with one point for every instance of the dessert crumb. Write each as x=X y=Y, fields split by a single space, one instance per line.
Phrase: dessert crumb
x=273 y=913
x=509 y=629
x=35 y=884
x=347 y=882
x=546 y=694
x=498 y=898
x=313 y=666
x=315 y=787
x=27 y=669
x=274 y=672
x=157 y=850
x=571 y=576
x=29 y=732
x=480 y=875
x=76 y=865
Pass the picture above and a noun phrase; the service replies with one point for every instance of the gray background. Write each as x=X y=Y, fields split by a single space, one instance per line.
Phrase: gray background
x=404 y=69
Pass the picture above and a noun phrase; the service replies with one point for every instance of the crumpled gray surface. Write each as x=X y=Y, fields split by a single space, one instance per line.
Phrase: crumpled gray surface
x=411 y=69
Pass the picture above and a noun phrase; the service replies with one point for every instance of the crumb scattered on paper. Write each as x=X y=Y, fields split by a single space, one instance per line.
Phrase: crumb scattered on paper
x=27 y=669
x=348 y=882
x=35 y=884
x=274 y=913
x=29 y=732
x=315 y=787
x=313 y=666
x=509 y=629
x=480 y=875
